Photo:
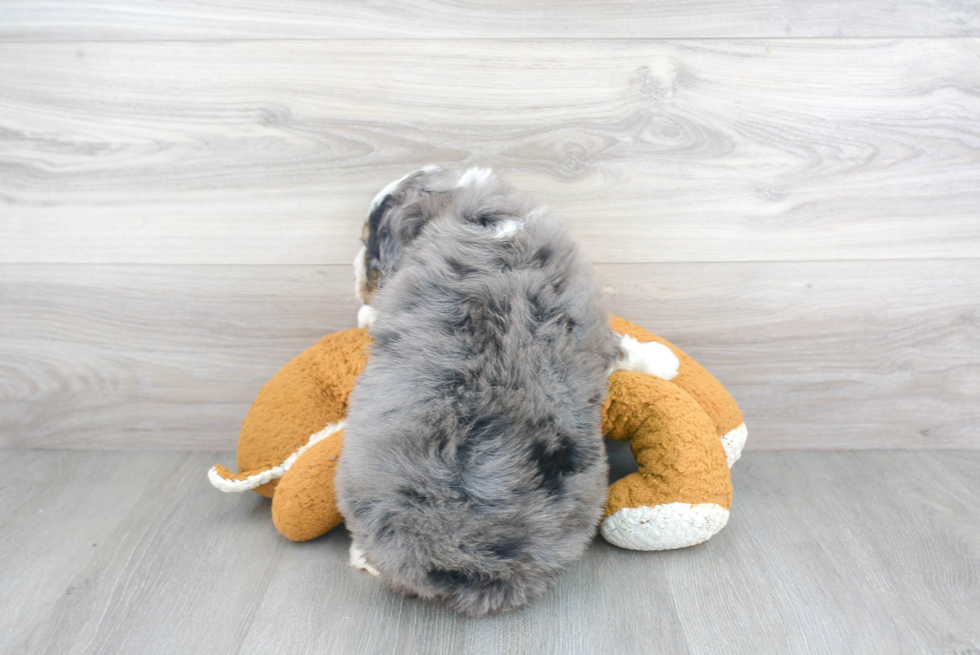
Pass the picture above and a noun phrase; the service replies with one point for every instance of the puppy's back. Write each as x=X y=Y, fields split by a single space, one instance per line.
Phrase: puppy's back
x=473 y=468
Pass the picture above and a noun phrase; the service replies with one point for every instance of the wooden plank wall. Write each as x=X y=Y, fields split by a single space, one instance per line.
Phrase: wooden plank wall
x=789 y=191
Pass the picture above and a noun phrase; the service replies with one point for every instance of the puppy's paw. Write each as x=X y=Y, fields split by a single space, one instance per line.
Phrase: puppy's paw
x=358 y=562
x=365 y=316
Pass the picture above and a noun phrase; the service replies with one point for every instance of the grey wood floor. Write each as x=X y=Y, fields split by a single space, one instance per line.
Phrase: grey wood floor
x=826 y=552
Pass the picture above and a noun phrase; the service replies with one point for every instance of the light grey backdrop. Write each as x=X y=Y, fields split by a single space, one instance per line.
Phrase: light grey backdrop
x=789 y=191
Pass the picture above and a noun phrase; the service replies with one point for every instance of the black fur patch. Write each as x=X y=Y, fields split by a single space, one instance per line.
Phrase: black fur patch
x=507 y=549
x=554 y=464
x=541 y=256
x=441 y=438
x=464 y=323
x=485 y=323
x=482 y=218
x=413 y=496
x=414 y=221
x=498 y=313
x=454 y=383
x=374 y=222
x=384 y=339
x=541 y=312
x=460 y=269
x=444 y=578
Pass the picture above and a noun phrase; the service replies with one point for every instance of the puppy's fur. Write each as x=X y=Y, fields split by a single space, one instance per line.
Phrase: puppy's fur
x=473 y=468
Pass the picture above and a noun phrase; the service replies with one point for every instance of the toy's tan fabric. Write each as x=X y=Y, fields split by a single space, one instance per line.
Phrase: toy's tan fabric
x=308 y=393
x=674 y=427
x=709 y=393
x=305 y=505
x=675 y=444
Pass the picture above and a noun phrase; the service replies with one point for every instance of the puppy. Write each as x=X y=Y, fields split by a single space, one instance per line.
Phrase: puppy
x=473 y=468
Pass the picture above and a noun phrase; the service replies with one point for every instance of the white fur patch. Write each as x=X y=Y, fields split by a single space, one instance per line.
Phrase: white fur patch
x=733 y=442
x=358 y=562
x=276 y=472
x=507 y=229
x=388 y=189
x=365 y=316
x=360 y=273
x=474 y=175
x=664 y=527
x=650 y=357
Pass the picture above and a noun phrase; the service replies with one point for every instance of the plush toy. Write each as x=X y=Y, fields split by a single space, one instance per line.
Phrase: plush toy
x=684 y=429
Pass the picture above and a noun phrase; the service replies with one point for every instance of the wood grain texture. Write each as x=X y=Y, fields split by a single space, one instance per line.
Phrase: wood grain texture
x=176 y=567
x=153 y=356
x=825 y=553
x=267 y=152
x=855 y=354
x=308 y=19
x=863 y=553
x=56 y=511
x=865 y=354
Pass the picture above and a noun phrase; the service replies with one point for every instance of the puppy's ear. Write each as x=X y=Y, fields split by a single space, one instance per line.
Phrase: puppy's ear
x=416 y=215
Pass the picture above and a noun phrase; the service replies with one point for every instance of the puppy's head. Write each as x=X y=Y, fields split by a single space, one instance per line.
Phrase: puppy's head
x=399 y=213
x=396 y=217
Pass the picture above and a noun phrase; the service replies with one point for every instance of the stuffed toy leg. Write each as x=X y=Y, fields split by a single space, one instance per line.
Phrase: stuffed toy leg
x=684 y=429
x=292 y=436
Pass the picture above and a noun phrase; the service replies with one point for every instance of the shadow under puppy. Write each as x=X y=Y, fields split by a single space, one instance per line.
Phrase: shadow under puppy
x=473 y=468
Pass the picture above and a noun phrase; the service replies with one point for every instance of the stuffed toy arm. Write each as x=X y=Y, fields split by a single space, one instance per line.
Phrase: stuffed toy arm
x=292 y=436
x=682 y=493
x=685 y=431
x=703 y=387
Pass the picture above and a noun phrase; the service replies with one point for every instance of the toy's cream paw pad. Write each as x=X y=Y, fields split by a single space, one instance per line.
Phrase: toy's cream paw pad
x=224 y=480
x=650 y=357
x=358 y=562
x=733 y=442
x=664 y=527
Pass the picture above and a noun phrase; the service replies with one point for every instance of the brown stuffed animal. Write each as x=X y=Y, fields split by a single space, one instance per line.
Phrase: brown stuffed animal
x=684 y=429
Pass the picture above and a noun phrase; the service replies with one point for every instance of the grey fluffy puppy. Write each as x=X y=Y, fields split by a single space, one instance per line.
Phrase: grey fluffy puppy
x=473 y=468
